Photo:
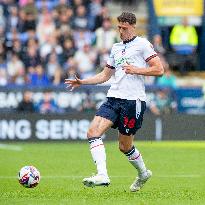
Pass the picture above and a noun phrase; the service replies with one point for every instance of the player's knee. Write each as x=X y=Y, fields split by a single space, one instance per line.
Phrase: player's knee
x=124 y=147
x=93 y=133
x=121 y=148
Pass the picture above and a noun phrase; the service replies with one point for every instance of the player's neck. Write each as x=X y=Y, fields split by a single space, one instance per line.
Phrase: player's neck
x=131 y=38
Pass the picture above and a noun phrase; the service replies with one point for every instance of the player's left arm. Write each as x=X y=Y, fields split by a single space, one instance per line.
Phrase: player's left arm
x=155 y=68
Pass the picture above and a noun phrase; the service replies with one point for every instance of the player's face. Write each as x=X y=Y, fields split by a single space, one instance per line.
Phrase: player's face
x=126 y=30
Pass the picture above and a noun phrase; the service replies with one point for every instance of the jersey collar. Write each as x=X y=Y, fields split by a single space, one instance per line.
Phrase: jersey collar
x=124 y=42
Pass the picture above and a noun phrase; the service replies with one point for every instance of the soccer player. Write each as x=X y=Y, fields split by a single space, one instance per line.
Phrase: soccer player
x=128 y=63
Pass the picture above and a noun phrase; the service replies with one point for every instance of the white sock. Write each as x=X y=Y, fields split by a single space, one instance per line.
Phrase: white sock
x=136 y=160
x=97 y=150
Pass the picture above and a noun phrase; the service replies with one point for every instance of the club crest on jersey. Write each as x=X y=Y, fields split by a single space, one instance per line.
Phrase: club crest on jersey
x=123 y=52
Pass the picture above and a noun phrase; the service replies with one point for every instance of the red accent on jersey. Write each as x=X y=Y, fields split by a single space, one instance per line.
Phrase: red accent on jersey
x=153 y=56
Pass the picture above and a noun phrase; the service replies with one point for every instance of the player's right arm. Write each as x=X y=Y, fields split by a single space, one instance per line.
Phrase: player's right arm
x=101 y=77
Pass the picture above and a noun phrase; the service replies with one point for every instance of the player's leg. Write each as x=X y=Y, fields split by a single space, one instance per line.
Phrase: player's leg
x=132 y=153
x=131 y=119
x=97 y=128
x=135 y=158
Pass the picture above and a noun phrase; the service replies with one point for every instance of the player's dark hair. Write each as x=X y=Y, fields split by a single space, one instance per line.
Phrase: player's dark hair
x=127 y=17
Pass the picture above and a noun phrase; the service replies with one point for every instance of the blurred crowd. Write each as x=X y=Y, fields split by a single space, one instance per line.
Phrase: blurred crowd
x=48 y=103
x=44 y=41
x=159 y=101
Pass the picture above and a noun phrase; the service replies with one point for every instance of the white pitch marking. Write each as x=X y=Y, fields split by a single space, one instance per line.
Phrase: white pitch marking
x=157 y=176
x=181 y=176
x=10 y=147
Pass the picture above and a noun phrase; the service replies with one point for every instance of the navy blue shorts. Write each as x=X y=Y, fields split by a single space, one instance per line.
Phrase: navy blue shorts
x=126 y=115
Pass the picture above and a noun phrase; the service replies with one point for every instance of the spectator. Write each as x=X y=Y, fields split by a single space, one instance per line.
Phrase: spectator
x=48 y=5
x=157 y=44
x=82 y=37
x=102 y=58
x=32 y=57
x=2 y=55
x=80 y=20
x=62 y=5
x=88 y=104
x=68 y=50
x=105 y=36
x=167 y=80
x=34 y=30
x=2 y=35
x=32 y=43
x=47 y=104
x=104 y=13
x=161 y=52
x=22 y=19
x=53 y=69
x=75 y=4
x=26 y=105
x=16 y=70
x=85 y=60
x=57 y=79
x=203 y=90
x=37 y=77
x=2 y=19
x=150 y=80
x=184 y=41
x=45 y=27
x=162 y=103
x=3 y=64
x=16 y=35
x=29 y=14
x=71 y=70
x=94 y=8
x=64 y=16
x=13 y=20
x=3 y=77
x=50 y=45
x=23 y=2
x=64 y=32
x=17 y=48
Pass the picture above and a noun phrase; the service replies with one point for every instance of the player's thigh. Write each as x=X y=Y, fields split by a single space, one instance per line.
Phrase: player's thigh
x=125 y=142
x=98 y=126
x=131 y=117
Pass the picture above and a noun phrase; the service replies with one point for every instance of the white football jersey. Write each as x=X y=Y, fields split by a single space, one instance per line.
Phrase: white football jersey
x=137 y=51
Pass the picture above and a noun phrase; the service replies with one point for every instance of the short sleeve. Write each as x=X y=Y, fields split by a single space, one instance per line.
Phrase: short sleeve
x=110 y=61
x=148 y=51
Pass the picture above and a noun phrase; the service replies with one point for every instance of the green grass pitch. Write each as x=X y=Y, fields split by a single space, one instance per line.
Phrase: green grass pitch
x=178 y=174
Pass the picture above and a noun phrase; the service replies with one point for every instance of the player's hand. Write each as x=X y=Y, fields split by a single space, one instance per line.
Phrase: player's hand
x=129 y=69
x=72 y=84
